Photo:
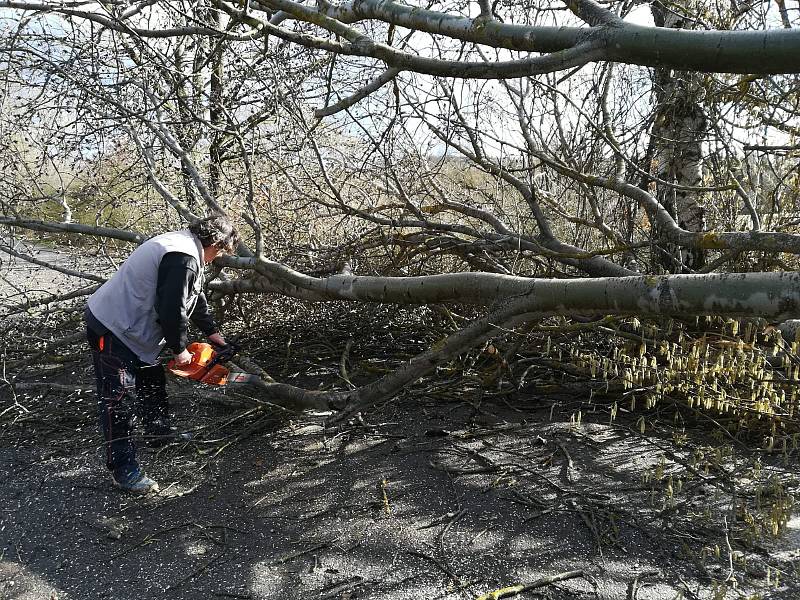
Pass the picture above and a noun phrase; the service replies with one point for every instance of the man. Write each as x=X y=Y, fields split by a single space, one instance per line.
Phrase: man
x=145 y=306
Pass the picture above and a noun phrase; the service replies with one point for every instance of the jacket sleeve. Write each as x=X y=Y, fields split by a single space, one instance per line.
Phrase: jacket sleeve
x=202 y=317
x=177 y=273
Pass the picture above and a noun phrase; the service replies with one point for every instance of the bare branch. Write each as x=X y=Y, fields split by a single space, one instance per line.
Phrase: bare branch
x=365 y=91
x=56 y=227
x=51 y=266
x=772 y=51
x=592 y=13
x=51 y=299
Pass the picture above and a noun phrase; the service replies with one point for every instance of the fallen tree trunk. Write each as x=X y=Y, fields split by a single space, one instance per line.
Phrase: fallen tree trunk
x=773 y=296
x=768 y=295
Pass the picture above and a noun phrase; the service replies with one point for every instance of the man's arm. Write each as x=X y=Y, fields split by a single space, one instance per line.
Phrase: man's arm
x=177 y=274
x=202 y=317
x=204 y=321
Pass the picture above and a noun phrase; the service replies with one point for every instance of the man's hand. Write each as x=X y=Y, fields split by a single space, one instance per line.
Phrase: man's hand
x=216 y=338
x=183 y=358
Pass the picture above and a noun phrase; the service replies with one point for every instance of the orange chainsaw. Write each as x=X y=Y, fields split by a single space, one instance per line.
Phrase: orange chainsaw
x=206 y=365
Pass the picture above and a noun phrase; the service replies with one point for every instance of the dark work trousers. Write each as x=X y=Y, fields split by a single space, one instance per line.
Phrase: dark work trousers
x=126 y=388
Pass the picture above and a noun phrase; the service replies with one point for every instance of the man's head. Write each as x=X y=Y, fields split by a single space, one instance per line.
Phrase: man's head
x=217 y=234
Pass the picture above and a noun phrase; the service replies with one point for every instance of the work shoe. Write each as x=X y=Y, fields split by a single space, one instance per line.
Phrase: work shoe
x=159 y=436
x=134 y=482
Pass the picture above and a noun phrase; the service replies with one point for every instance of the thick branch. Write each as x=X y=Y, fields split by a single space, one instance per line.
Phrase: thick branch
x=609 y=39
x=56 y=227
x=51 y=266
x=768 y=241
x=772 y=51
x=592 y=13
x=54 y=298
x=688 y=295
x=577 y=54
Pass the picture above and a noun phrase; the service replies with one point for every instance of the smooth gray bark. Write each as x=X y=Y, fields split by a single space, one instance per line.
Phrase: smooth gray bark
x=609 y=39
x=769 y=295
x=772 y=51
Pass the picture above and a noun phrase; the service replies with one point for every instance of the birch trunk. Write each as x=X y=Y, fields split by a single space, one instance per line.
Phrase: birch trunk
x=678 y=131
x=768 y=295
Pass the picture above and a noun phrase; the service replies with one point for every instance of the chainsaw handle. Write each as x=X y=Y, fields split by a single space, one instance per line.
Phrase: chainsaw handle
x=189 y=355
x=204 y=366
x=224 y=353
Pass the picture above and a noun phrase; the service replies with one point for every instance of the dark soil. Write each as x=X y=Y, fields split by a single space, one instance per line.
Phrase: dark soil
x=421 y=500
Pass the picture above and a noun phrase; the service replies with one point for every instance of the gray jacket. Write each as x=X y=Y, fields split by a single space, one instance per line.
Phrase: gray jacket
x=126 y=302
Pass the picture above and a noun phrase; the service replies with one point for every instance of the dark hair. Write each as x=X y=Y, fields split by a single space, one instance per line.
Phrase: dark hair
x=218 y=231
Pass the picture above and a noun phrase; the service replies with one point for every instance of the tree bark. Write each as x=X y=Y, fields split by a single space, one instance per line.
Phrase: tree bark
x=768 y=295
x=755 y=52
x=678 y=131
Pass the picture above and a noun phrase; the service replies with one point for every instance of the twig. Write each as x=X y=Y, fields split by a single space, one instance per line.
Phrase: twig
x=589 y=523
x=343 y=363
x=385 y=498
x=456 y=517
x=44 y=263
x=730 y=552
x=524 y=587
x=338 y=590
x=483 y=532
x=59 y=387
x=633 y=586
x=23 y=306
x=196 y=572
x=291 y=556
x=568 y=466
x=462 y=470
x=445 y=569
x=149 y=538
x=68 y=340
